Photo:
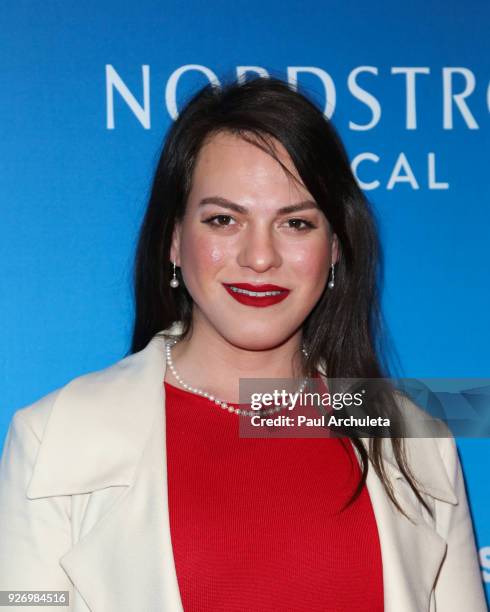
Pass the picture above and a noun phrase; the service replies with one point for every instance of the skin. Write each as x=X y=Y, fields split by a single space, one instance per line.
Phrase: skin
x=230 y=340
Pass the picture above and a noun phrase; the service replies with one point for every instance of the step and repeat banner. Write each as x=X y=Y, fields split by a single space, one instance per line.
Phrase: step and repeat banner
x=88 y=92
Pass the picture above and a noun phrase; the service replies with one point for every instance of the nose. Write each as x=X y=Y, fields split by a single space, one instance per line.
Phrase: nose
x=259 y=250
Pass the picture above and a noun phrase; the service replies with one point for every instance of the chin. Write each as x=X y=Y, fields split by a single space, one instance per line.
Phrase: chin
x=257 y=336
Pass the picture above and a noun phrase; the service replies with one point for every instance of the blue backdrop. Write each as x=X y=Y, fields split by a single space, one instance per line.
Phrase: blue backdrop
x=88 y=92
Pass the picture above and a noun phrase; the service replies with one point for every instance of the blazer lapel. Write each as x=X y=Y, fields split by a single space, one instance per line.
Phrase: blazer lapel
x=107 y=430
x=412 y=552
x=126 y=562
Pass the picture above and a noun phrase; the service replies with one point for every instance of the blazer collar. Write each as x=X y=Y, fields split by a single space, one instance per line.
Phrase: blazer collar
x=121 y=403
x=98 y=426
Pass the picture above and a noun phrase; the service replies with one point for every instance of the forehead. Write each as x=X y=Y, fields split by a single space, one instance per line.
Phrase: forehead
x=230 y=160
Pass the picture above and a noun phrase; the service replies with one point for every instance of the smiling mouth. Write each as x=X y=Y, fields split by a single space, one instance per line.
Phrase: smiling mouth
x=253 y=293
x=258 y=296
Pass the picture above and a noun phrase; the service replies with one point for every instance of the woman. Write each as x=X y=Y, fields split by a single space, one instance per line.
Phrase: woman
x=257 y=258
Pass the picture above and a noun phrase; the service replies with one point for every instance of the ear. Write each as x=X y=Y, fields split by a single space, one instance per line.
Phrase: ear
x=336 y=250
x=175 y=246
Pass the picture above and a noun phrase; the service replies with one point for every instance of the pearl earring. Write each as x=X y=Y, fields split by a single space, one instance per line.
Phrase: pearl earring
x=331 y=283
x=174 y=283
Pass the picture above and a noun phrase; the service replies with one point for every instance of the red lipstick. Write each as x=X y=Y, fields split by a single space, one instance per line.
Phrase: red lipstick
x=245 y=293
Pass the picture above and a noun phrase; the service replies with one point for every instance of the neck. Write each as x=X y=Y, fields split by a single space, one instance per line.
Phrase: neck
x=210 y=362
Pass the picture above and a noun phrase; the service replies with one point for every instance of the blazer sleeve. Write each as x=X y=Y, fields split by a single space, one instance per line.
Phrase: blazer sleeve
x=34 y=533
x=459 y=585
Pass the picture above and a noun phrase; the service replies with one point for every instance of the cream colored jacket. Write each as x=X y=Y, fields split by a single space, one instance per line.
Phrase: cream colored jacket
x=83 y=504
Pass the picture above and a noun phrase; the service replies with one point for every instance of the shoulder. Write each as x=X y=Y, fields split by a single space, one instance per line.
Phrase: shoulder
x=433 y=451
x=90 y=433
x=88 y=394
x=430 y=450
x=34 y=417
x=30 y=425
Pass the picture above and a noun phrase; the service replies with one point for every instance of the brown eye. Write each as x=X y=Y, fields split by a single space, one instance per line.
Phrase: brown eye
x=218 y=220
x=298 y=222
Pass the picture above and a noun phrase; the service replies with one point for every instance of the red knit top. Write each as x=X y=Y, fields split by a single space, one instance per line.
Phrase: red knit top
x=255 y=522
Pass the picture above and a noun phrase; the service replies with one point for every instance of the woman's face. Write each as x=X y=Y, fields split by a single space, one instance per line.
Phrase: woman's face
x=234 y=232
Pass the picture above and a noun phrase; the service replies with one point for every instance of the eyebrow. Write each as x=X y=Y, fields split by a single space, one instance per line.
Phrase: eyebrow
x=223 y=202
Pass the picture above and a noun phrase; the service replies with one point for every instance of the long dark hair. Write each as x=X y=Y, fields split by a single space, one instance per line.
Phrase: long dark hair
x=345 y=329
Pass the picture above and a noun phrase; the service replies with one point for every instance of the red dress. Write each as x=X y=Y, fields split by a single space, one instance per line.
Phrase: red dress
x=255 y=523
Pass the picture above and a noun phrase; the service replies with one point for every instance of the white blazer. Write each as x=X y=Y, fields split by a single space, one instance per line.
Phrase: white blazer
x=83 y=503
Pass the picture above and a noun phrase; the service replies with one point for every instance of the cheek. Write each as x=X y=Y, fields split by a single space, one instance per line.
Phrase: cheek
x=203 y=253
x=310 y=264
x=215 y=254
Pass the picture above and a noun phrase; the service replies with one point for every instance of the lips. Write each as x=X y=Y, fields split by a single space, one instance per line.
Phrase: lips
x=260 y=295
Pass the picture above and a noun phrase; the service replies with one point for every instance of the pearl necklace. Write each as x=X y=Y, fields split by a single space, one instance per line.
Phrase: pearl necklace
x=223 y=405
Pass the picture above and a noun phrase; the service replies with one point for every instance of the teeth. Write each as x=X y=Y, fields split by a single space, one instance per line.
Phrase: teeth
x=255 y=293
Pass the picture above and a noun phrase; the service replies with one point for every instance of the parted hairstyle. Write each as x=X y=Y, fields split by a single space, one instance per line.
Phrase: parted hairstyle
x=345 y=330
